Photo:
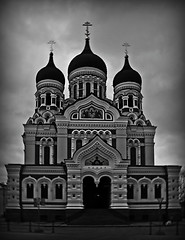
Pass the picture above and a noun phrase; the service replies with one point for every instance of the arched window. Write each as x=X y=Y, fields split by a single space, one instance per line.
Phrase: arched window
x=157 y=190
x=88 y=89
x=78 y=144
x=44 y=190
x=29 y=190
x=48 y=99
x=133 y=156
x=144 y=191
x=100 y=92
x=46 y=155
x=58 y=191
x=120 y=102
x=130 y=101
x=75 y=91
x=130 y=191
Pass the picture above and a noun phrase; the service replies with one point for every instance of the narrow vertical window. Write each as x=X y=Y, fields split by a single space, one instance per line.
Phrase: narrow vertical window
x=46 y=155
x=125 y=102
x=144 y=191
x=136 y=103
x=100 y=92
x=81 y=89
x=78 y=144
x=58 y=101
x=95 y=89
x=88 y=89
x=48 y=99
x=133 y=156
x=75 y=91
x=120 y=102
x=130 y=191
x=130 y=101
x=143 y=155
x=158 y=190
x=44 y=190
x=29 y=190
x=58 y=191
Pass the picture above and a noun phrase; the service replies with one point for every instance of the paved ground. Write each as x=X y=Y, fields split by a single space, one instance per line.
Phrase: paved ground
x=20 y=231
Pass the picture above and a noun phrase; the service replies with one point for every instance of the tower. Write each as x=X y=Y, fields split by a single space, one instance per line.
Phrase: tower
x=87 y=72
x=128 y=99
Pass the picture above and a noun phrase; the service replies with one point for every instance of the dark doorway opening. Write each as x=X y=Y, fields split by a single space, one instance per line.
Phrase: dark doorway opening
x=96 y=196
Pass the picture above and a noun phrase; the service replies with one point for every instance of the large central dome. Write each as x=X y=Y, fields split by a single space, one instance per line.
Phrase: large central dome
x=87 y=59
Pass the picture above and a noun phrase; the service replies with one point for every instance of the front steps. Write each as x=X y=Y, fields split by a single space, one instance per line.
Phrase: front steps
x=98 y=217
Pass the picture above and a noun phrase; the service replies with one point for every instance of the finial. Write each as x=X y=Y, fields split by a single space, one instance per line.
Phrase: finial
x=87 y=25
x=51 y=43
x=126 y=45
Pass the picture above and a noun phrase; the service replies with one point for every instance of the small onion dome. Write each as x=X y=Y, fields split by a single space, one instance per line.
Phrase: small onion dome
x=127 y=74
x=50 y=72
x=87 y=59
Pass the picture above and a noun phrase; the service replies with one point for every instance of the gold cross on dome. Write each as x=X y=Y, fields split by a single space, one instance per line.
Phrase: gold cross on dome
x=87 y=25
x=51 y=43
x=126 y=45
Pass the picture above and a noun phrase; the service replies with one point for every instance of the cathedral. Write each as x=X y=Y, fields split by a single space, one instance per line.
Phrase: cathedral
x=88 y=151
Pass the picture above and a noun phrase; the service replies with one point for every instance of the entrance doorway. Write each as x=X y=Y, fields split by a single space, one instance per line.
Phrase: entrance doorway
x=96 y=196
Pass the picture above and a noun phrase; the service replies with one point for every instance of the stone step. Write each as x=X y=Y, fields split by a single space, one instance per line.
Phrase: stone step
x=98 y=217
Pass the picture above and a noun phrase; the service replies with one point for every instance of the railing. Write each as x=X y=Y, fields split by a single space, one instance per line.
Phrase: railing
x=149 y=228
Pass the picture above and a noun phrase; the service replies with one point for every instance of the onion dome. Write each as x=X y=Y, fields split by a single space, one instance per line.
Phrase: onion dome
x=50 y=72
x=127 y=74
x=87 y=59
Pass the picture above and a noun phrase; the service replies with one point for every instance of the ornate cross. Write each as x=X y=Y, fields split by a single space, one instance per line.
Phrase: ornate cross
x=87 y=25
x=51 y=43
x=126 y=45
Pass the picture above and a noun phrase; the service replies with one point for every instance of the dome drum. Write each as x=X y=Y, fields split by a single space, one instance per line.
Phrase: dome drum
x=89 y=71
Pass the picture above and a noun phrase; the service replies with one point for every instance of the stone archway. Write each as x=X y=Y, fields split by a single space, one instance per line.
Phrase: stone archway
x=96 y=195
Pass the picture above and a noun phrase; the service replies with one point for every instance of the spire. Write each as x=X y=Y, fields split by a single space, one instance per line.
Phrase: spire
x=87 y=25
x=51 y=62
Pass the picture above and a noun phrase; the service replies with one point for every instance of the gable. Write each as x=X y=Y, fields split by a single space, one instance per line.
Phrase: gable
x=97 y=152
x=92 y=109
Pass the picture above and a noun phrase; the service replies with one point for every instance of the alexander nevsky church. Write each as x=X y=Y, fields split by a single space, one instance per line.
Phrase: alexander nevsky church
x=88 y=151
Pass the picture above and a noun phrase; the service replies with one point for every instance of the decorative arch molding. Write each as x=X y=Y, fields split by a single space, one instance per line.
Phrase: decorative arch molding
x=108 y=111
x=97 y=177
x=158 y=180
x=132 y=180
x=29 y=179
x=44 y=179
x=144 y=180
x=97 y=147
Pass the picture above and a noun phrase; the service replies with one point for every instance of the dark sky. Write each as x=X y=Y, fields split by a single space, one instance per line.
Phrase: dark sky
x=155 y=31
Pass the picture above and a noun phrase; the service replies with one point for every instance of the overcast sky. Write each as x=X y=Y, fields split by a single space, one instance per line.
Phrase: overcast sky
x=154 y=29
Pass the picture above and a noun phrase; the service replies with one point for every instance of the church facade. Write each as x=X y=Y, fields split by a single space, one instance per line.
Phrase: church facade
x=88 y=151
